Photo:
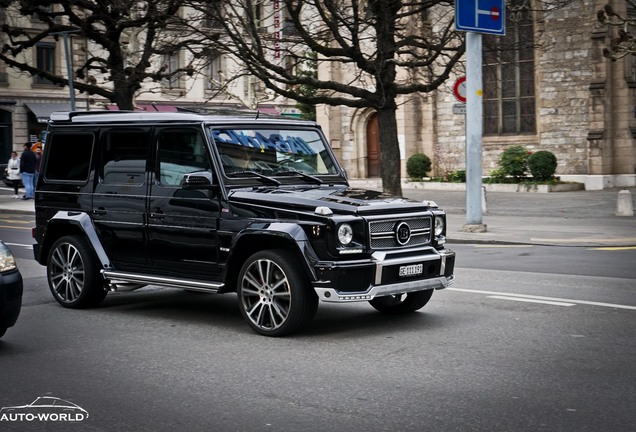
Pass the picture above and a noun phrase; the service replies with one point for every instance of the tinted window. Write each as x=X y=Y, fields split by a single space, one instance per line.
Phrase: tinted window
x=181 y=151
x=69 y=156
x=124 y=157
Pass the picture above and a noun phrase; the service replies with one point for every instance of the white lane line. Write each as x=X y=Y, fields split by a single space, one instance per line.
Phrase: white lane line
x=585 y=302
x=527 y=300
x=19 y=244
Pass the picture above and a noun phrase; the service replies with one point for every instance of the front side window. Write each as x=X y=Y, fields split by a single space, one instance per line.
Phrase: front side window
x=124 y=157
x=180 y=152
x=68 y=156
x=508 y=75
x=272 y=151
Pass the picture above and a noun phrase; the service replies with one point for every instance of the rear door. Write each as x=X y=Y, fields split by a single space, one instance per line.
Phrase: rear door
x=119 y=201
x=182 y=223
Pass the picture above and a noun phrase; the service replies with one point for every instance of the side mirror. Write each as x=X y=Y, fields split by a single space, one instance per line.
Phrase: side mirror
x=198 y=180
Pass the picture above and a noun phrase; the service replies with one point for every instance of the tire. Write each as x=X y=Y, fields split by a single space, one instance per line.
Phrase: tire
x=73 y=274
x=3 y=330
x=402 y=303
x=274 y=295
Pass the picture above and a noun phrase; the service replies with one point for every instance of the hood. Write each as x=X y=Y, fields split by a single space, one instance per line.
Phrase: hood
x=340 y=199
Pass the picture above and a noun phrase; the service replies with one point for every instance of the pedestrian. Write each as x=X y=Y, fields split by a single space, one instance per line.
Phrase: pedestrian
x=14 y=172
x=38 y=159
x=27 y=169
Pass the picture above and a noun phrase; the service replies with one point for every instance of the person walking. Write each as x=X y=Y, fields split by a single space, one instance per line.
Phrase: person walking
x=14 y=173
x=27 y=169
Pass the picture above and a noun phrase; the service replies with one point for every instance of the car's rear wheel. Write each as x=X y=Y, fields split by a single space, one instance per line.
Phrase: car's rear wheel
x=402 y=303
x=73 y=273
x=274 y=295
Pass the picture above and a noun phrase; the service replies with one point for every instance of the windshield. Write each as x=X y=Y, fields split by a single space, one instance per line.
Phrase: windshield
x=272 y=151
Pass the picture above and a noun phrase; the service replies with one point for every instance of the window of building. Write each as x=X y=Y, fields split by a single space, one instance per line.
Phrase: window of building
x=215 y=72
x=45 y=60
x=172 y=64
x=508 y=75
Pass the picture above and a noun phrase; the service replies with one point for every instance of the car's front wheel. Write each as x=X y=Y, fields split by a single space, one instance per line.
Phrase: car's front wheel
x=402 y=303
x=73 y=273
x=274 y=295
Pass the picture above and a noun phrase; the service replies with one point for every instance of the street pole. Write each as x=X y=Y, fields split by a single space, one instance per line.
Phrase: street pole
x=474 y=132
x=69 y=69
x=69 y=63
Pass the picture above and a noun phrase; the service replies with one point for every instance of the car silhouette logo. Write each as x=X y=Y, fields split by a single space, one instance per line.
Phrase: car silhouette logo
x=44 y=408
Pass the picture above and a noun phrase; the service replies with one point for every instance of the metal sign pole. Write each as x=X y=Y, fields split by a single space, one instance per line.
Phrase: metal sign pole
x=474 y=131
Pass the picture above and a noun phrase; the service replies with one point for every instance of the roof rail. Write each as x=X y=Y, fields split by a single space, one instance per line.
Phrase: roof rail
x=60 y=116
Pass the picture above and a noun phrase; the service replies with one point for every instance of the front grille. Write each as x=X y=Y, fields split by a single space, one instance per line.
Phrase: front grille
x=383 y=233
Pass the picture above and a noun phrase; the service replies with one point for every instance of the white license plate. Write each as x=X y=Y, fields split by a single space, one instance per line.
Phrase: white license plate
x=411 y=270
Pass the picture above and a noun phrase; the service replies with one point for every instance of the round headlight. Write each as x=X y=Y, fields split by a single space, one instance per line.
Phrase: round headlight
x=439 y=225
x=345 y=234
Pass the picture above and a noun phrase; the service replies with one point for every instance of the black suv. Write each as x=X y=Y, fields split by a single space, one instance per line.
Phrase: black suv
x=256 y=206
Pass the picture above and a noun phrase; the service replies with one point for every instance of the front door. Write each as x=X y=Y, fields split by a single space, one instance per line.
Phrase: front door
x=182 y=223
x=373 y=147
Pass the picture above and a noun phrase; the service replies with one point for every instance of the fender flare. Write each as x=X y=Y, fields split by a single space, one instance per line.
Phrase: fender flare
x=84 y=222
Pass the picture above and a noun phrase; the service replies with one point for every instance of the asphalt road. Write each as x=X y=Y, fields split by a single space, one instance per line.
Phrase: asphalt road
x=528 y=339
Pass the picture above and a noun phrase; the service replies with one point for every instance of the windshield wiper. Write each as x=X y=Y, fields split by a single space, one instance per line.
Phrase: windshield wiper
x=265 y=178
x=305 y=176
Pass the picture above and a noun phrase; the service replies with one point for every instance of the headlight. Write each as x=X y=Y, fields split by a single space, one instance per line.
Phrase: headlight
x=345 y=234
x=7 y=262
x=439 y=225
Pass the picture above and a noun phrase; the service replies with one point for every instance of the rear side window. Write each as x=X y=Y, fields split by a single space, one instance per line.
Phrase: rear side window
x=69 y=156
x=124 y=157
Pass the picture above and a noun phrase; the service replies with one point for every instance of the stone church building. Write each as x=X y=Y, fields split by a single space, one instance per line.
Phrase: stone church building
x=560 y=94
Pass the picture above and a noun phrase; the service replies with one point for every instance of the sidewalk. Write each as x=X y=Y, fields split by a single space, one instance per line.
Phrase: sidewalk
x=581 y=218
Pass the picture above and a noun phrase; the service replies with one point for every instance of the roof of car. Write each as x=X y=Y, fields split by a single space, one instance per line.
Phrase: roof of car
x=66 y=117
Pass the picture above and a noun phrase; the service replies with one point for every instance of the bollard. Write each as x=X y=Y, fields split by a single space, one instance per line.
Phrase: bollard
x=624 y=206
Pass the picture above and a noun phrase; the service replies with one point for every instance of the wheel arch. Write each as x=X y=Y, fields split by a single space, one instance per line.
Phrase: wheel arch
x=286 y=236
x=71 y=223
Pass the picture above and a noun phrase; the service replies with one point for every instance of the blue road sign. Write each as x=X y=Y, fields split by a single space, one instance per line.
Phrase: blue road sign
x=481 y=16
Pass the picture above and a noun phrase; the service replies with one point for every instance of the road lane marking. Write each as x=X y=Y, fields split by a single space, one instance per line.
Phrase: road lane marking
x=503 y=246
x=15 y=227
x=19 y=244
x=585 y=302
x=615 y=248
x=587 y=240
x=527 y=300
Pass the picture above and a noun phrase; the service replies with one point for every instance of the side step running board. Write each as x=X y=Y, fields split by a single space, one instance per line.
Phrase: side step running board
x=115 y=277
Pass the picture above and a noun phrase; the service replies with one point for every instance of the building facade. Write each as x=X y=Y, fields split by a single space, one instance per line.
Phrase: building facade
x=556 y=93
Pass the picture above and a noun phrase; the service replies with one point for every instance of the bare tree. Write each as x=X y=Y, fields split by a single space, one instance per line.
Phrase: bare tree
x=125 y=42
x=385 y=49
x=623 y=42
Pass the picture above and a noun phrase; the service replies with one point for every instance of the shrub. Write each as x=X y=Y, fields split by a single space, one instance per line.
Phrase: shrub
x=458 y=176
x=542 y=165
x=496 y=176
x=418 y=165
x=514 y=161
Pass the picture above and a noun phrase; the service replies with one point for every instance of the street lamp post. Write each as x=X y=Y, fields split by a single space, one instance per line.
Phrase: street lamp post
x=69 y=64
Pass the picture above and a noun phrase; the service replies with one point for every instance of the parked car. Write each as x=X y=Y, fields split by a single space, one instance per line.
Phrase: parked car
x=10 y=289
x=252 y=205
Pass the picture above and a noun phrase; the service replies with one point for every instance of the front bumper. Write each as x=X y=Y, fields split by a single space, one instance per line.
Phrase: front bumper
x=10 y=297
x=363 y=280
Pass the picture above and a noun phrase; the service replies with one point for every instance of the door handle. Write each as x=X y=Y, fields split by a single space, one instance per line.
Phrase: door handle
x=99 y=212
x=159 y=215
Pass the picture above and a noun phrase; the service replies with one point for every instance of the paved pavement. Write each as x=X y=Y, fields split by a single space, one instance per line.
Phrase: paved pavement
x=581 y=218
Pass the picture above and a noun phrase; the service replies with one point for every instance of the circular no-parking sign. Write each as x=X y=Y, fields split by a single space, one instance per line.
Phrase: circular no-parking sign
x=459 y=89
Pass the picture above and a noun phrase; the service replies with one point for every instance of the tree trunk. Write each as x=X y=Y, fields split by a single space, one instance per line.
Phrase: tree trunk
x=390 y=163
